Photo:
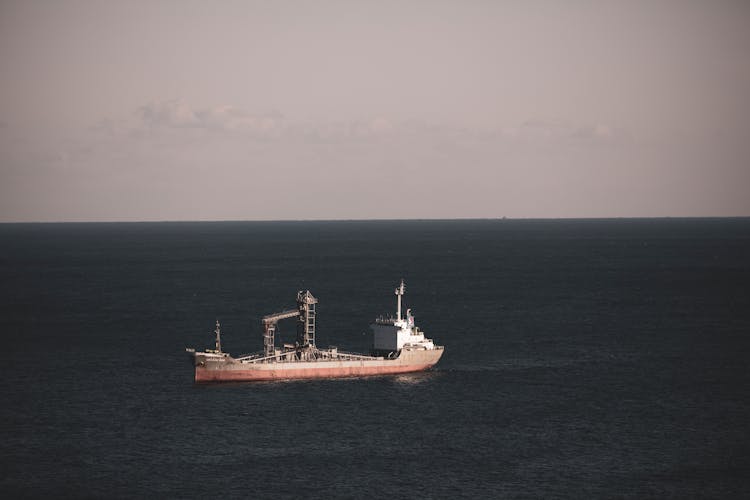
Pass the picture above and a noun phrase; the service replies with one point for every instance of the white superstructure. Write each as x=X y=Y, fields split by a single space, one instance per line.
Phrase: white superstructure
x=394 y=334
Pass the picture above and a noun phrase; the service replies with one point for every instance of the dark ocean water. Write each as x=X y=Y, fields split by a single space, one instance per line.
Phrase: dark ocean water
x=584 y=358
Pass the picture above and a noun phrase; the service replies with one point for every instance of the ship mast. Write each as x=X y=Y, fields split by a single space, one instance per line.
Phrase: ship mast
x=218 y=336
x=306 y=324
x=399 y=293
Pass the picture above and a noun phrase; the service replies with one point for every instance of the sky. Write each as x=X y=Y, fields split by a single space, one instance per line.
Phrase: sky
x=273 y=110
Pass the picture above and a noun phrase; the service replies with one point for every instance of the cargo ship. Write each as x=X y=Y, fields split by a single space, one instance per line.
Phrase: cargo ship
x=399 y=346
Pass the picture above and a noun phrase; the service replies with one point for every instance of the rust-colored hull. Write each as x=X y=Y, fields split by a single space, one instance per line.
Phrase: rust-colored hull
x=204 y=375
x=228 y=370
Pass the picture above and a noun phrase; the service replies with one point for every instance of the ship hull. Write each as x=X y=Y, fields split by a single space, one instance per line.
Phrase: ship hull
x=229 y=370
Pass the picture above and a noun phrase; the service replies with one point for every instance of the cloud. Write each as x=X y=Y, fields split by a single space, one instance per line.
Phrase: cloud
x=166 y=155
x=598 y=131
x=176 y=114
x=232 y=118
x=545 y=132
x=168 y=114
x=179 y=118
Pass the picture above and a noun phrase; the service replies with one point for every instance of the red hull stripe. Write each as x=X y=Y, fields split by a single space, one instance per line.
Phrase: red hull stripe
x=203 y=375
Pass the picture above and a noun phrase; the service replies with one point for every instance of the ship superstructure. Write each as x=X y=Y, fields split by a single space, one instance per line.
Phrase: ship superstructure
x=398 y=347
x=392 y=334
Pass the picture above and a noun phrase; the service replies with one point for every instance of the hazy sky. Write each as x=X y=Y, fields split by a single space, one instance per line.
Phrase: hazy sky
x=178 y=110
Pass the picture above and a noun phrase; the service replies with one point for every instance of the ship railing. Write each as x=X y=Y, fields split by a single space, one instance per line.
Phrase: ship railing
x=254 y=357
x=344 y=354
x=385 y=320
x=321 y=355
x=260 y=359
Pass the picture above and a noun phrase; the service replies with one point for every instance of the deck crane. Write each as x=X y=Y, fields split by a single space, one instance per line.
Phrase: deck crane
x=305 y=326
x=269 y=328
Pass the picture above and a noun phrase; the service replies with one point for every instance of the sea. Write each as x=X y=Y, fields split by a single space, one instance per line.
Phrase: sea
x=593 y=358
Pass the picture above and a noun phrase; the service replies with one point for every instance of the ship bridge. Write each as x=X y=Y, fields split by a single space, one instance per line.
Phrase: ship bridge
x=391 y=334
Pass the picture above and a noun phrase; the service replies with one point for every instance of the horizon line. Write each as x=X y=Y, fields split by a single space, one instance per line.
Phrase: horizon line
x=416 y=219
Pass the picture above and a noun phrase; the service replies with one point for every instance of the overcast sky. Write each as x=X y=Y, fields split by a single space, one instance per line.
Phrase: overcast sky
x=179 y=110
